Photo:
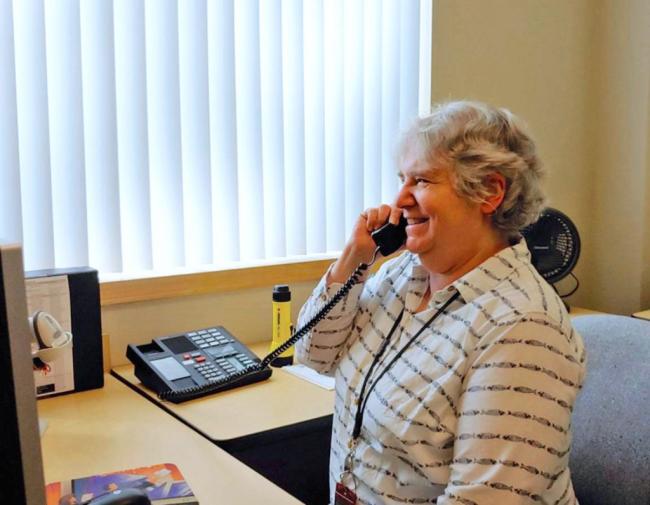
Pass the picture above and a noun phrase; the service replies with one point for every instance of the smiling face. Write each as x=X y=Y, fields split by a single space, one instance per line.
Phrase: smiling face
x=448 y=232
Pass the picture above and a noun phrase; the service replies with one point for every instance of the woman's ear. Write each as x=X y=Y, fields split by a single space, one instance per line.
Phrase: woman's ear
x=495 y=184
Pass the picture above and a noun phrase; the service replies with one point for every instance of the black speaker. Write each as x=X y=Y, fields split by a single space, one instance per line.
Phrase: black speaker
x=86 y=326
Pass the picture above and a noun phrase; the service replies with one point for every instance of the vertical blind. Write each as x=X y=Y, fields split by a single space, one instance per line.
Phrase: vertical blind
x=141 y=135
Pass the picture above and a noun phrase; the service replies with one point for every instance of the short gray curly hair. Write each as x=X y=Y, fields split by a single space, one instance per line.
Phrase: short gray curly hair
x=477 y=140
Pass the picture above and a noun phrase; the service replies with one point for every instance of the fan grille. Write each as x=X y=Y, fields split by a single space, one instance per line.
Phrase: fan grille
x=554 y=244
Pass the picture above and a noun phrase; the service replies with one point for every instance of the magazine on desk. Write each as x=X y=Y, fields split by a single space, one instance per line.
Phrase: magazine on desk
x=163 y=483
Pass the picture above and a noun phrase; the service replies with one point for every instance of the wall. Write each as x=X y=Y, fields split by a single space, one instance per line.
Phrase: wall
x=246 y=313
x=533 y=58
x=620 y=279
x=577 y=72
x=645 y=298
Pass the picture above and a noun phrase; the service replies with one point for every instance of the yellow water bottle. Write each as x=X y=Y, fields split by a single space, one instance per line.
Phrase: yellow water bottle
x=281 y=324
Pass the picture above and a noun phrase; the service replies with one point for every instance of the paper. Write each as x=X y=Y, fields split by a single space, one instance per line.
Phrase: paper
x=52 y=294
x=310 y=375
x=42 y=426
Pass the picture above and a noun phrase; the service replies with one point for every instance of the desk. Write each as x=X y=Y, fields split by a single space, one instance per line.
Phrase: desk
x=579 y=311
x=281 y=427
x=644 y=314
x=113 y=428
x=281 y=401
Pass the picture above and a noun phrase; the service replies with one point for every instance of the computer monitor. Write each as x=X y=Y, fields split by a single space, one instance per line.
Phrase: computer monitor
x=21 y=466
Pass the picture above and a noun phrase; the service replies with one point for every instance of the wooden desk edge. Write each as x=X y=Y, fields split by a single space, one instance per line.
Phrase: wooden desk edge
x=116 y=422
x=580 y=311
x=316 y=403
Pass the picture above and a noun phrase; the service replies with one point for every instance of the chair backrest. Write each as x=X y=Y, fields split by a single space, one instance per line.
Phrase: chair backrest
x=610 y=458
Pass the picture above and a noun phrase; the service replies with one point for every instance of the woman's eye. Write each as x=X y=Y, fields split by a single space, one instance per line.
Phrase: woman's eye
x=421 y=182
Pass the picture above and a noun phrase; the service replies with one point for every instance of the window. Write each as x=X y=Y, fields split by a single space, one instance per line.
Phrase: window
x=150 y=135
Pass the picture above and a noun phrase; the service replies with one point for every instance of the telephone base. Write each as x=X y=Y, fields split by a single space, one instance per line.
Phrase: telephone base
x=243 y=381
x=190 y=365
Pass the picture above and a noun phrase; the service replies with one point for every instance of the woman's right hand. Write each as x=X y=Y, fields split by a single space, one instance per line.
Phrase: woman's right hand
x=360 y=247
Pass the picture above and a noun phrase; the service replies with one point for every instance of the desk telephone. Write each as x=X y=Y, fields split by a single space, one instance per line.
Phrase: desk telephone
x=194 y=364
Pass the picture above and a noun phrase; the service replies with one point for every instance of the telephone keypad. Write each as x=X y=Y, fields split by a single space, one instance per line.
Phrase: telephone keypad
x=209 y=372
x=222 y=356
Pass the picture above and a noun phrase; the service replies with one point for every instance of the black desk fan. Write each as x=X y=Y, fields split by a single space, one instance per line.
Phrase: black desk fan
x=554 y=244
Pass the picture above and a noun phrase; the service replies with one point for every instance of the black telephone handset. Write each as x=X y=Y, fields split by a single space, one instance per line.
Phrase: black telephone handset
x=201 y=362
x=390 y=237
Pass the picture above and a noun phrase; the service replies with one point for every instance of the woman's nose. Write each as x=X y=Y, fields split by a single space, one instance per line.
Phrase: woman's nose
x=404 y=197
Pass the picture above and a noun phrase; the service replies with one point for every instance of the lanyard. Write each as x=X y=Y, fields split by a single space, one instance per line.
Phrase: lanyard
x=363 y=397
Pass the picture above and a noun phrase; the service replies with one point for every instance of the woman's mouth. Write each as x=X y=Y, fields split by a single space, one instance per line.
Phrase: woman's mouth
x=415 y=224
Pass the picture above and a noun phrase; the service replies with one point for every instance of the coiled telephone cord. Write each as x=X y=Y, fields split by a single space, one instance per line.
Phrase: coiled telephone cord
x=345 y=289
x=353 y=280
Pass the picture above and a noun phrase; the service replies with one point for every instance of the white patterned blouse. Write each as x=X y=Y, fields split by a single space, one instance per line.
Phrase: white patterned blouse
x=477 y=410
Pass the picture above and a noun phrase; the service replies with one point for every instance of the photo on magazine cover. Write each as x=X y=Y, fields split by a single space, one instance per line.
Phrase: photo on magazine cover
x=164 y=485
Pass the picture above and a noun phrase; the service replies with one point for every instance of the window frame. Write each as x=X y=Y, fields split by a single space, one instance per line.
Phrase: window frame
x=118 y=289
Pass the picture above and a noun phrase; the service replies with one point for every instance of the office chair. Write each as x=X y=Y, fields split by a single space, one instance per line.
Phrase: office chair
x=610 y=458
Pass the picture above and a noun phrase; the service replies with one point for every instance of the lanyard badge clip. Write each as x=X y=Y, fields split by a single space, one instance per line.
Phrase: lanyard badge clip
x=343 y=494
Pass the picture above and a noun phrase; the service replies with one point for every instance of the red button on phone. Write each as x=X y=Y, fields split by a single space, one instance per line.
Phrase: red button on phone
x=200 y=359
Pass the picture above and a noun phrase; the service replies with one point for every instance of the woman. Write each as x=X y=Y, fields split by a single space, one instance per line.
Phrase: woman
x=456 y=364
